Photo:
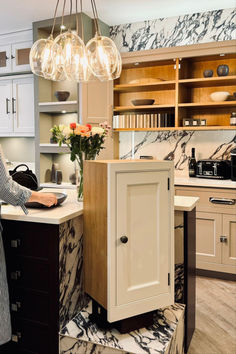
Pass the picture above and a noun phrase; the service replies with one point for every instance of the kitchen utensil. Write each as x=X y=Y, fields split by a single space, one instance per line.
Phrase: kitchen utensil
x=62 y=95
x=222 y=70
x=208 y=73
x=61 y=197
x=219 y=96
x=142 y=102
x=217 y=169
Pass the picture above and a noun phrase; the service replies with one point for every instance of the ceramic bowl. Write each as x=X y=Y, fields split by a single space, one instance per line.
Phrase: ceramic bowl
x=219 y=96
x=62 y=95
x=208 y=73
x=142 y=102
x=61 y=197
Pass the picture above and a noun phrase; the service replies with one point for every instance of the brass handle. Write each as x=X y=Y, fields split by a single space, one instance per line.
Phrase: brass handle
x=223 y=239
x=15 y=243
x=15 y=337
x=16 y=306
x=15 y=275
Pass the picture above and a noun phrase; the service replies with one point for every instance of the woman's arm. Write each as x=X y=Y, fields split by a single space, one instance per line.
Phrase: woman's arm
x=15 y=194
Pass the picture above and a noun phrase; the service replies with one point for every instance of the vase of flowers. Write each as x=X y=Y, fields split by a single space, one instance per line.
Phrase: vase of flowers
x=85 y=143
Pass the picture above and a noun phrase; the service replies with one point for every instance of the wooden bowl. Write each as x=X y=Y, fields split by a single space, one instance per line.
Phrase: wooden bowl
x=143 y=102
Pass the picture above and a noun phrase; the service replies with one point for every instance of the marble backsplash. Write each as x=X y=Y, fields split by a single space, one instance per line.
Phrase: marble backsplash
x=210 y=26
x=177 y=145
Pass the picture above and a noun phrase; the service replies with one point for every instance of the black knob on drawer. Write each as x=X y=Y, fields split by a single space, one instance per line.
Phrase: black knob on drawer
x=124 y=239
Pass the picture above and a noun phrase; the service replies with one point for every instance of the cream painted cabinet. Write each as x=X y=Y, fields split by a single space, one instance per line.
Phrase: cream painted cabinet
x=17 y=106
x=5 y=59
x=215 y=228
x=14 y=58
x=129 y=248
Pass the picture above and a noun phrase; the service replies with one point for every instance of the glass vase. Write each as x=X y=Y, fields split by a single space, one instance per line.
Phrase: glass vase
x=80 y=188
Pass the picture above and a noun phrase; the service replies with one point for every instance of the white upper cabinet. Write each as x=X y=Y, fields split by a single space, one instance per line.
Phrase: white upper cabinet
x=14 y=52
x=17 y=106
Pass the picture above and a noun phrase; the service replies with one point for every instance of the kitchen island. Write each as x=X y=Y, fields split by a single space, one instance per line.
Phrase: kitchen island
x=44 y=253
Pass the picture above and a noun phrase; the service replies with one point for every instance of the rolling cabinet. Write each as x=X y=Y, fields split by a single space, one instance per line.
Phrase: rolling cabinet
x=215 y=228
x=129 y=248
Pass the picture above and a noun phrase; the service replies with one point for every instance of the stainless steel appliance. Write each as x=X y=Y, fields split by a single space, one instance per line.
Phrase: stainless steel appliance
x=217 y=169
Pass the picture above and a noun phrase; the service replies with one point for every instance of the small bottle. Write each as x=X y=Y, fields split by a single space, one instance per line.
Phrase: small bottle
x=192 y=166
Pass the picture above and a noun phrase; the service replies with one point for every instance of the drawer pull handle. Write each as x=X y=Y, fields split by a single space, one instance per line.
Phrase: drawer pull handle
x=15 y=337
x=15 y=243
x=223 y=239
x=15 y=275
x=225 y=201
x=15 y=306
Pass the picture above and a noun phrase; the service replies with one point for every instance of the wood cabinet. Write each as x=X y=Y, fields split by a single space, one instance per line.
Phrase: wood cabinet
x=17 y=106
x=129 y=254
x=215 y=228
x=176 y=82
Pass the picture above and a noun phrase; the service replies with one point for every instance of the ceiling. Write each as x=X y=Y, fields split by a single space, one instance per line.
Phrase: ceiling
x=19 y=14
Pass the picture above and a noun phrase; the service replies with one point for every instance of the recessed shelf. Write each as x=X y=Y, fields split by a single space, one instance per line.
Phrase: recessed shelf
x=206 y=127
x=58 y=107
x=161 y=85
x=209 y=104
x=53 y=149
x=64 y=185
x=146 y=107
x=210 y=81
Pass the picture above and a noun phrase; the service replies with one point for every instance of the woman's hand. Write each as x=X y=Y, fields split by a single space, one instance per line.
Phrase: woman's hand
x=48 y=199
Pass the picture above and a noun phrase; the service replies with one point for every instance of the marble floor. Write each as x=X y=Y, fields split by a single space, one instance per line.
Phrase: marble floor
x=215 y=317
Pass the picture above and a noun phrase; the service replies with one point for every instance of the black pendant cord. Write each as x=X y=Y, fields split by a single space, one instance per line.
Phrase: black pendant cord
x=62 y=17
x=54 y=18
x=95 y=14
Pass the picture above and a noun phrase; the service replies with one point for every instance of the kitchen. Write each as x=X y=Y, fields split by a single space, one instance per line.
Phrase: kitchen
x=163 y=105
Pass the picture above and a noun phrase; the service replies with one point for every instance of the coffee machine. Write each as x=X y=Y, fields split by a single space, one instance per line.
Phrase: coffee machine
x=233 y=164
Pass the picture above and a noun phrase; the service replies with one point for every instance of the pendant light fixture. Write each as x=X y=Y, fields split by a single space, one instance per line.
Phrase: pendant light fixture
x=67 y=57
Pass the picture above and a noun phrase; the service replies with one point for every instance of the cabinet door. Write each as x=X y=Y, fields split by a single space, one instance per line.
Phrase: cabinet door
x=5 y=59
x=143 y=262
x=6 y=120
x=23 y=105
x=20 y=56
x=229 y=247
x=208 y=232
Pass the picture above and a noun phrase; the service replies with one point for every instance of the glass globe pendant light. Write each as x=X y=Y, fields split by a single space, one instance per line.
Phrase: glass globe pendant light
x=41 y=54
x=103 y=57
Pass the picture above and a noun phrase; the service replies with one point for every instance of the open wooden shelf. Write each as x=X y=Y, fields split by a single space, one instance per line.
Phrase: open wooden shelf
x=138 y=108
x=161 y=85
x=210 y=81
x=209 y=104
x=209 y=127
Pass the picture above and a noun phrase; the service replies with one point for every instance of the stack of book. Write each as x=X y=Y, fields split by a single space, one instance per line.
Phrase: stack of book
x=143 y=120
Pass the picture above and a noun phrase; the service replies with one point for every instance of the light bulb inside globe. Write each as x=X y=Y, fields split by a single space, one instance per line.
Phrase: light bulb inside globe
x=102 y=57
x=41 y=57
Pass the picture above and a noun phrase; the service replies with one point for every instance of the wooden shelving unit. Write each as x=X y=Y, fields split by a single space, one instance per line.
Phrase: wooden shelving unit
x=180 y=89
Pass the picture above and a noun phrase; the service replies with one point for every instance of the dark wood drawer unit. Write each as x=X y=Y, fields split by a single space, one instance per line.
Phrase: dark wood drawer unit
x=32 y=258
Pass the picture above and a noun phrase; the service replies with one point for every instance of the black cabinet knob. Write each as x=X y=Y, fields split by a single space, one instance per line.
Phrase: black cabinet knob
x=124 y=239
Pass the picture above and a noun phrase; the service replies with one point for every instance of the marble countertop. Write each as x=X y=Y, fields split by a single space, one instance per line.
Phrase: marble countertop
x=204 y=182
x=70 y=209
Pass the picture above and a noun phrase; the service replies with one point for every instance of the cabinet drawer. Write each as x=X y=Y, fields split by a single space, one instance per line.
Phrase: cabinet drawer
x=28 y=273
x=211 y=200
x=28 y=336
x=28 y=239
x=30 y=305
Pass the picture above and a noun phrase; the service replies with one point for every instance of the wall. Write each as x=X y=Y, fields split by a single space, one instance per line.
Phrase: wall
x=18 y=149
x=196 y=28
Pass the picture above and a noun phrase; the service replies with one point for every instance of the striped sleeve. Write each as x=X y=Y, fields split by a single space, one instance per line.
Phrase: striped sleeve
x=10 y=191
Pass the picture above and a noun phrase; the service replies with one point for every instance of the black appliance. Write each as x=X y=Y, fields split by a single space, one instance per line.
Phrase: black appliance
x=217 y=169
x=233 y=164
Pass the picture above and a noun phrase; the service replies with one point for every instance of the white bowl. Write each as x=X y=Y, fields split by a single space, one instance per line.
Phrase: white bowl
x=219 y=96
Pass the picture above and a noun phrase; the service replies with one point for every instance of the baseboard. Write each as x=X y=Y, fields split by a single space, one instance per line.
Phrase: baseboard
x=213 y=274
